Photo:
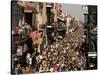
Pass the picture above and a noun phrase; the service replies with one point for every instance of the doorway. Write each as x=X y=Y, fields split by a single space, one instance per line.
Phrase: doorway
x=28 y=18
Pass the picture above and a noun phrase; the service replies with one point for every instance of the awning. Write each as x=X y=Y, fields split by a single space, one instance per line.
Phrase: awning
x=92 y=54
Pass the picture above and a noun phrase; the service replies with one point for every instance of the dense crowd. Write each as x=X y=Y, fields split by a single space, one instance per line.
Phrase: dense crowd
x=64 y=54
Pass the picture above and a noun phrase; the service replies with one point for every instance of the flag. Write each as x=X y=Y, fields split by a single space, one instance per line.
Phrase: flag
x=44 y=16
x=45 y=42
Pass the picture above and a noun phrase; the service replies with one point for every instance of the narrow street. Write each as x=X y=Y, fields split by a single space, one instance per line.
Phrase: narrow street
x=47 y=39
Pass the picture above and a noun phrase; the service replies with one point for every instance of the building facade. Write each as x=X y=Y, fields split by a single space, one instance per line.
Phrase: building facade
x=90 y=22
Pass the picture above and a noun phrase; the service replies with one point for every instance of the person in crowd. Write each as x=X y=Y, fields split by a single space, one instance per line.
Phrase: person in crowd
x=18 y=69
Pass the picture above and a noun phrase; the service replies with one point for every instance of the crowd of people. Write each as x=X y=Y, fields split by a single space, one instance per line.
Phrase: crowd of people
x=64 y=54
